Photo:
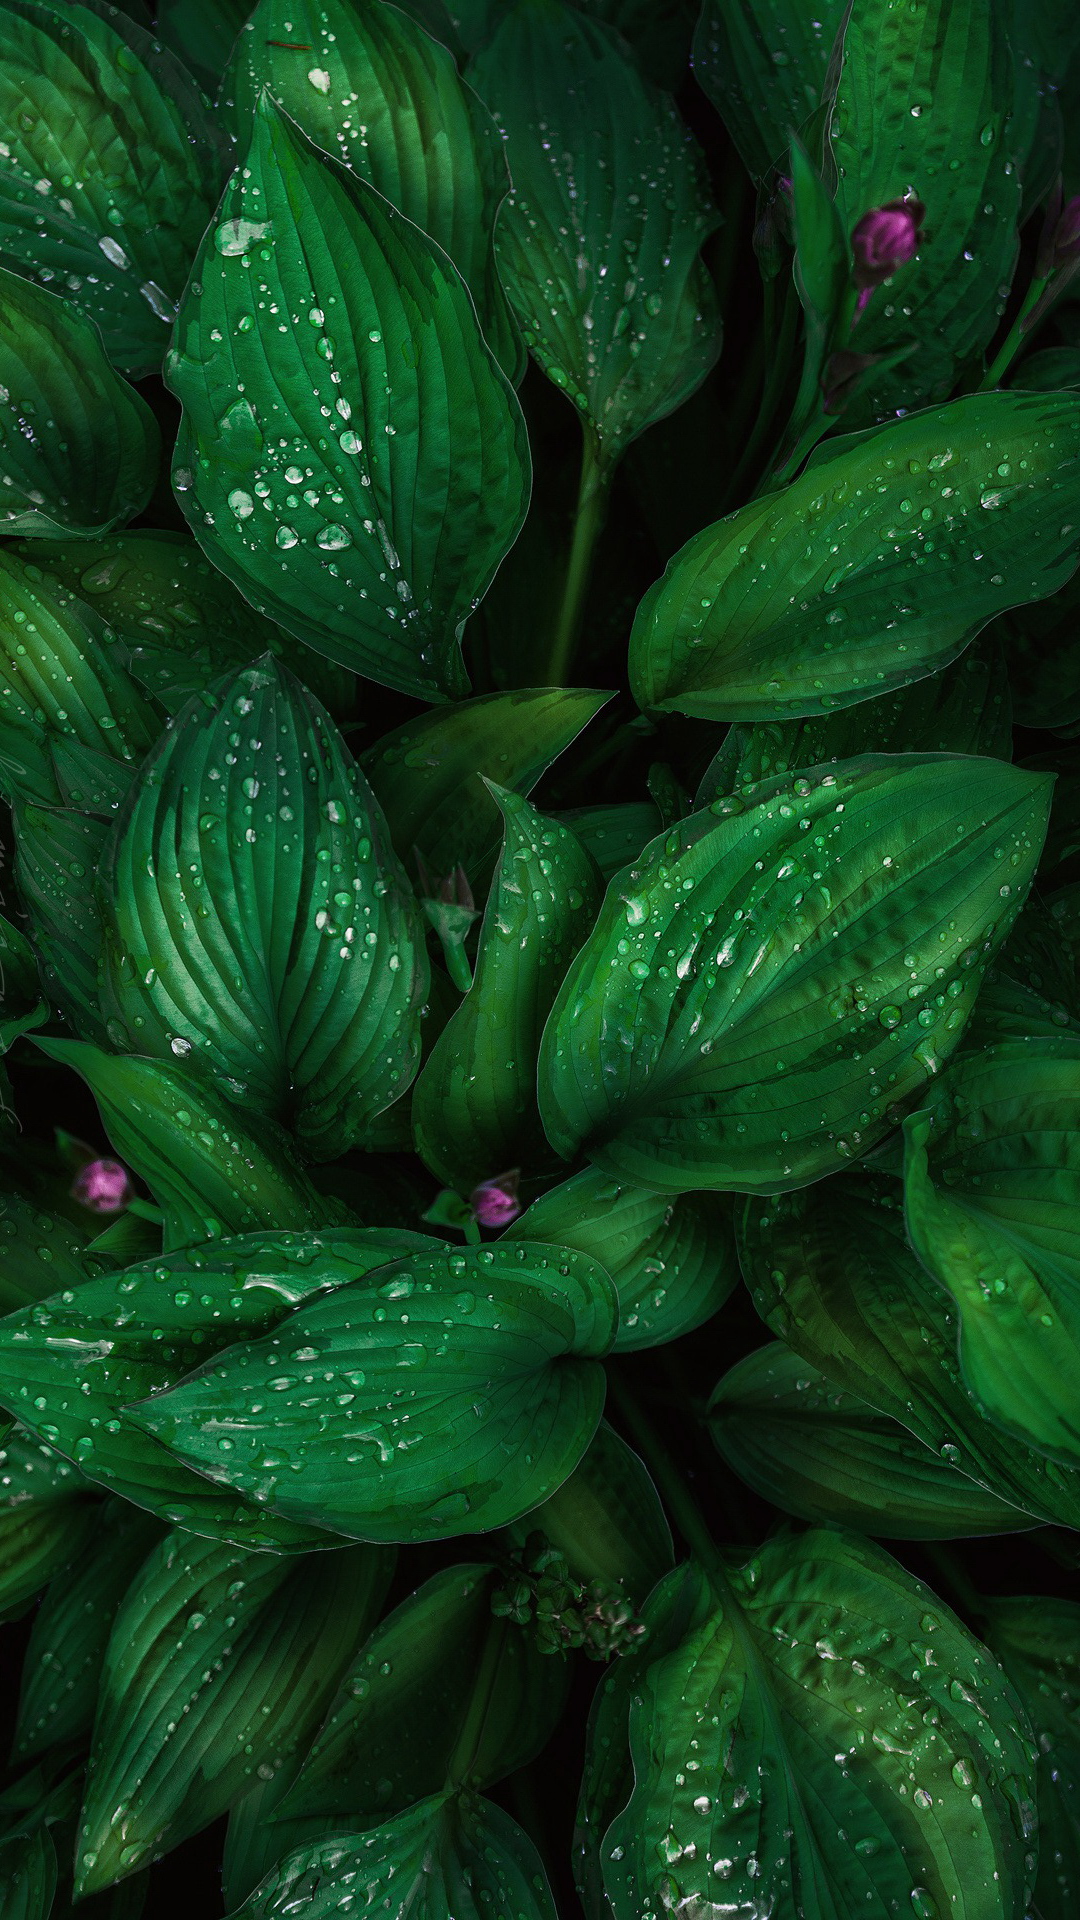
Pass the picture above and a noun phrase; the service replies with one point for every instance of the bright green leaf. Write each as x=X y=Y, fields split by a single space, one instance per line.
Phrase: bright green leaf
x=314 y=488
x=757 y=999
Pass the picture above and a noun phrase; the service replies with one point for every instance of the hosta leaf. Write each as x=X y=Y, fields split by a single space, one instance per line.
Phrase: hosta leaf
x=63 y=678
x=20 y=987
x=443 y=1694
x=602 y=268
x=757 y=998
x=40 y=1253
x=111 y=168
x=34 y=1473
x=921 y=89
x=426 y=775
x=58 y=856
x=407 y=1357
x=1043 y=653
x=672 y=1262
x=182 y=621
x=606 y=1520
x=315 y=491
x=146 y=1327
x=202 y=34
x=28 y=1875
x=832 y=1273
x=992 y=1180
x=458 y=1855
x=1038 y=1644
x=615 y=835
x=211 y=1171
x=474 y=1105
x=369 y=86
x=79 y=449
x=822 y=1453
x=1032 y=987
x=35 y=1543
x=256 y=918
x=876 y=566
x=763 y=66
x=71 y=1631
x=821 y=1645
x=220 y=1663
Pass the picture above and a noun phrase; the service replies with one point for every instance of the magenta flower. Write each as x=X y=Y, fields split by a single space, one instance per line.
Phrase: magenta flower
x=495 y=1202
x=884 y=239
x=103 y=1185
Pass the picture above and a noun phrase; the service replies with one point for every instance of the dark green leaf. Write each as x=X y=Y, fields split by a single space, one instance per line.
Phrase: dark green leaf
x=369 y=86
x=46 y=1518
x=822 y=252
x=818 y=1451
x=821 y=1646
x=426 y=776
x=459 y=1856
x=672 y=1262
x=366 y=538
x=1038 y=1644
x=213 y=1172
x=201 y=33
x=20 y=988
x=763 y=65
x=615 y=835
x=831 y=1272
x=876 y=566
x=257 y=919
x=1032 y=987
x=42 y=1252
x=992 y=1182
x=444 y=1694
x=28 y=1875
x=78 y=447
x=602 y=269
x=756 y=999
x=658 y=33
x=373 y=1431
x=606 y=1520
x=111 y=167
x=1042 y=648
x=59 y=853
x=474 y=1106
x=220 y=1663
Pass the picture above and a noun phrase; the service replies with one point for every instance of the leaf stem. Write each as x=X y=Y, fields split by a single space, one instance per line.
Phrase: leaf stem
x=680 y=1503
x=588 y=521
x=1014 y=339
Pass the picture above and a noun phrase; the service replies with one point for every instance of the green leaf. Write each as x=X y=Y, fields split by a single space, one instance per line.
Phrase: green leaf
x=1032 y=987
x=615 y=835
x=59 y=853
x=821 y=1645
x=366 y=538
x=86 y=96
x=182 y=621
x=459 y=1856
x=426 y=775
x=257 y=920
x=71 y=1630
x=876 y=566
x=212 y=1172
x=474 y=1106
x=442 y=1695
x=1043 y=655
x=763 y=65
x=220 y=1663
x=145 y=1328
x=606 y=1520
x=53 y=369
x=46 y=1518
x=820 y=1452
x=42 y=1252
x=672 y=1262
x=28 y=1875
x=602 y=270
x=919 y=90
x=20 y=988
x=1038 y=1644
x=369 y=86
x=992 y=1185
x=516 y=1331
x=832 y=1274
x=201 y=33
x=658 y=33
x=64 y=678
x=757 y=999
x=822 y=253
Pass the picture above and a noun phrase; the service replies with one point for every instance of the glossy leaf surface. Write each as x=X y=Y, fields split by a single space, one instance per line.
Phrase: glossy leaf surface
x=40 y=1252
x=1037 y=1641
x=756 y=997
x=763 y=65
x=876 y=566
x=257 y=919
x=599 y=242
x=992 y=1182
x=406 y=1357
x=58 y=855
x=147 y=157
x=367 y=537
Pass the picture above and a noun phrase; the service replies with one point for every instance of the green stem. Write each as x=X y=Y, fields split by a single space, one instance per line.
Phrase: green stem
x=467 y=1745
x=1014 y=339
x=471 y=1229
x=681 y=1505
x=588 y=520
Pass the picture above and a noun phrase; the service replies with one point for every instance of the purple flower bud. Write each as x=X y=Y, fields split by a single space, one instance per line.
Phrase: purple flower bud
x=884 y=239
x=103 y=1185
x=495 y=1202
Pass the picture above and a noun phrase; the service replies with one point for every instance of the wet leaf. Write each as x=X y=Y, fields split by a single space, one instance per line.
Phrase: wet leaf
x=369 y=540
x=1038 y=1644
x=606 y=1520
x=615 y=835
x=28 y=1874
x=58 y=855
x=763 y=65
x=42 y=1252
x=201 y=33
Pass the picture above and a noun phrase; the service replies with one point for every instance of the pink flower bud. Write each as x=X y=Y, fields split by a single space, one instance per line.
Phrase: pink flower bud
x=495 y=1202
x=884 y=239
x=102 y=1185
